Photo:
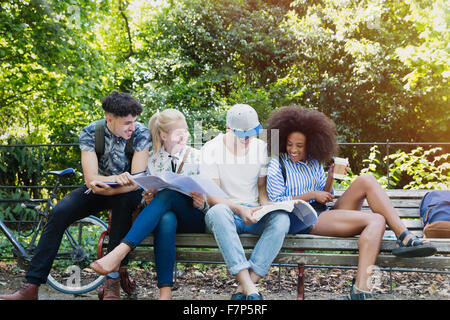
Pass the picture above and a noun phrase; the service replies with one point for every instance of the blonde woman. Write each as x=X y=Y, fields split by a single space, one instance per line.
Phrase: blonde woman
x=167 y=211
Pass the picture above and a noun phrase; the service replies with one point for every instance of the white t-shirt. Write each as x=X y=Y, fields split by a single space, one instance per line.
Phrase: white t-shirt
x=238 y=175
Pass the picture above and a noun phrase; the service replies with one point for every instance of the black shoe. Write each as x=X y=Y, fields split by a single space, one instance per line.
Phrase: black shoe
x=238 y=296
x=255 y=296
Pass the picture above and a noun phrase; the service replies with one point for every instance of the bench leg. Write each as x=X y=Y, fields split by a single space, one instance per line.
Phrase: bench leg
x=300 y=282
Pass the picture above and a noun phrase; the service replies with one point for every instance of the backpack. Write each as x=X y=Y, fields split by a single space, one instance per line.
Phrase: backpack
x=435 y=214
x=100 y=143
x=283 y=168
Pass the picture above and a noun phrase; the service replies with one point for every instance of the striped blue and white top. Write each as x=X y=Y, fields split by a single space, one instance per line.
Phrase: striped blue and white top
x=301 y=177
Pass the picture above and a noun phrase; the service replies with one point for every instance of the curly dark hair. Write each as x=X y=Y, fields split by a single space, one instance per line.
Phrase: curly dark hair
x=320 y=131
x=121 y=104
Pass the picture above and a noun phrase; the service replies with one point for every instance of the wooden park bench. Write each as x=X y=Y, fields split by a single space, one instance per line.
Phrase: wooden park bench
x=304 y=250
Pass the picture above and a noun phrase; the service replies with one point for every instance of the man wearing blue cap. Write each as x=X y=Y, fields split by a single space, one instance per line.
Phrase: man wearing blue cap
x=237 y=162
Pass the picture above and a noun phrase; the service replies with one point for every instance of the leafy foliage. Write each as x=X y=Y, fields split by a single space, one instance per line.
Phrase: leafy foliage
x=426 y=169
x=378 y=68
x=418 y=169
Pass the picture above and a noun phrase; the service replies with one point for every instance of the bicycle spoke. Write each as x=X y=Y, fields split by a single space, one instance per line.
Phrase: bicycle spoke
x=70 y=272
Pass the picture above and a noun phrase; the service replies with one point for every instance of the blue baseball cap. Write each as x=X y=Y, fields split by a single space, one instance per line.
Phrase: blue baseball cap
x=243 y=121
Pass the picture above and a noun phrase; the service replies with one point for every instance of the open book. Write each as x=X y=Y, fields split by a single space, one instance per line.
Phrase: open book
x=301 y=209
x=180 y=183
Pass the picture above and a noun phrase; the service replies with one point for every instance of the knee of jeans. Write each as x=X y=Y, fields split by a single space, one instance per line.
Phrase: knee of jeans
x=280 y=222
x=167 y=224
x=220 y=213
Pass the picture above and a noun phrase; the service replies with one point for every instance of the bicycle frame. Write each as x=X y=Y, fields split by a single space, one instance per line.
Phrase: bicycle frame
x=23 y=253
x=16 y=244
x=75 y=248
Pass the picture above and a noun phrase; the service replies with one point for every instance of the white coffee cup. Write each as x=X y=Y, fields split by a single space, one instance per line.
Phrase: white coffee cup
x=340 y=164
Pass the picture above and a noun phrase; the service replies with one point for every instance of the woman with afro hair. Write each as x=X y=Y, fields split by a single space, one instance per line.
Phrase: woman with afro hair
x=307 y=140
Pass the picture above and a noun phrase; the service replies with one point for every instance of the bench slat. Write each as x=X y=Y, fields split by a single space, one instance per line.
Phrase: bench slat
x=306 y=258
x=399 y=203
x=395 y=193
x=436 y=262
x=292 y=242
x=413 y=224
x=403 y=212
x=391 y=234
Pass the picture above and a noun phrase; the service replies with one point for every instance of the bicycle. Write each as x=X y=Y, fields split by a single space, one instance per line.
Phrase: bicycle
x=77 y=250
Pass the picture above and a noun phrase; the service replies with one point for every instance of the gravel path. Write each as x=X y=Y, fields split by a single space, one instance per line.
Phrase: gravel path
x=211 y=282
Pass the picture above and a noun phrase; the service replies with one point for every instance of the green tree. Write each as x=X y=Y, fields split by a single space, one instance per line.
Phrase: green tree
x=378 y=68
x=51 y=76
x=354 y=73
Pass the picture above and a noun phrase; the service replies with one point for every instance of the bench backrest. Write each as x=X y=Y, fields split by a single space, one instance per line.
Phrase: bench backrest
x=320 y=250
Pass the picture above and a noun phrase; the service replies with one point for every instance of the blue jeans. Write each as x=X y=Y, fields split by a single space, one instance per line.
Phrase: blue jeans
x=169 y=212
x=226 y=226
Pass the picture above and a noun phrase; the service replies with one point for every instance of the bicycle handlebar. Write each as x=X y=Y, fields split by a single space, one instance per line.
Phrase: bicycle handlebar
x=31 y=206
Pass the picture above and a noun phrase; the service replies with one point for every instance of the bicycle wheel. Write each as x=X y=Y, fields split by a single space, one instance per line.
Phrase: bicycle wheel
x=70 y=272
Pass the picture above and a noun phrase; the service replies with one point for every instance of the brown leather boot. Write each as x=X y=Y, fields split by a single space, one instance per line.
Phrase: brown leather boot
x=28 y=291
x=111 y=289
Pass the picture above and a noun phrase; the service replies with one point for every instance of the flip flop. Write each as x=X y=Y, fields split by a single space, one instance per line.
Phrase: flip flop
x=414 y=248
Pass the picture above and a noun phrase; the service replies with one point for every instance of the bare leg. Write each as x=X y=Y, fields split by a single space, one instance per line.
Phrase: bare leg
x=367 y=187
x=111 y=261
x=253 y=276
x=346 y=223
x=246 y=284
x=165 y=293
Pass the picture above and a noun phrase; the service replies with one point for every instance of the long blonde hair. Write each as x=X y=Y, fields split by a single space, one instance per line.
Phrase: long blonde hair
x=160 y=122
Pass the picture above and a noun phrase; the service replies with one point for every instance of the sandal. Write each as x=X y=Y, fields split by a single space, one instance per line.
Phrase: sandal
x=414 y=248
x=361 y=295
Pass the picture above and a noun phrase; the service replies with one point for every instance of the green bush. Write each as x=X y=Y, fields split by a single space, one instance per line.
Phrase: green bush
x=25 y=166
x=425 y=169
x=418 y=169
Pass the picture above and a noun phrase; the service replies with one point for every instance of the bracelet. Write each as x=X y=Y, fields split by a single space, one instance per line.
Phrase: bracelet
x=205 y=207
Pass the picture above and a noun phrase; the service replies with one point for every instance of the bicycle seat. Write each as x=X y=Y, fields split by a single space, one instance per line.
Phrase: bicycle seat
x=63 y=173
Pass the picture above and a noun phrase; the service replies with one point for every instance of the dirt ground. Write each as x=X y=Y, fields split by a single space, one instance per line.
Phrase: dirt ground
x=212 y=282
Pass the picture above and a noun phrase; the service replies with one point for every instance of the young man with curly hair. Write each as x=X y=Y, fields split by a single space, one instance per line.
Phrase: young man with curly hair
x=307 y=140
x=119 y=125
